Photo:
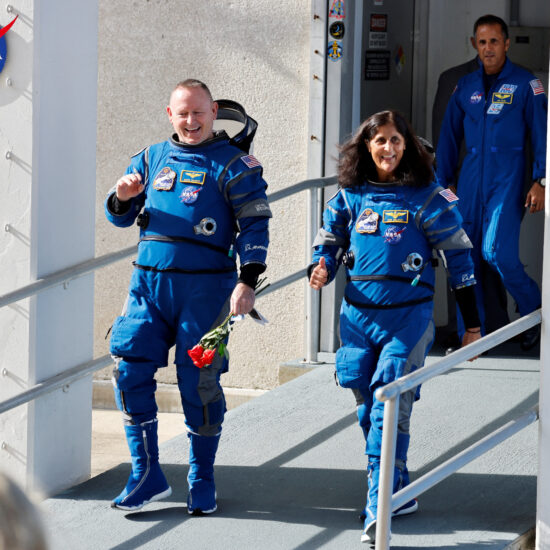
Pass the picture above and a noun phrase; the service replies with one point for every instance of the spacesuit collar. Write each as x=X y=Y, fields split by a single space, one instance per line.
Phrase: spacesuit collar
x=385 y=183
x=218 y=136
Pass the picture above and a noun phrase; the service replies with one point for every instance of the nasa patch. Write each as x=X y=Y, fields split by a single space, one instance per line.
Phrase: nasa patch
x=393 y=234
x=476 y=97
x=190 y=194
x=3 y=45
x=164 y=180
x=367 y=221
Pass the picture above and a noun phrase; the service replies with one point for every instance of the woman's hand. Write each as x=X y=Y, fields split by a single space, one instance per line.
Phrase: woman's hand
x=319 y=275
x=471 y=335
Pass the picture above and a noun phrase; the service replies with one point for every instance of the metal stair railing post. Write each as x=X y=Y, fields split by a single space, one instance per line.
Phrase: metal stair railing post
x=390 y=393
x=387 y=457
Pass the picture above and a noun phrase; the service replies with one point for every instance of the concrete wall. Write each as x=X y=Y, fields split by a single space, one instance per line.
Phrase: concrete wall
x=253 y=51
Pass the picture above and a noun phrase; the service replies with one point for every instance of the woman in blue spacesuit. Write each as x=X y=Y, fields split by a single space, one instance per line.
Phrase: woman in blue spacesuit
x=383 y=224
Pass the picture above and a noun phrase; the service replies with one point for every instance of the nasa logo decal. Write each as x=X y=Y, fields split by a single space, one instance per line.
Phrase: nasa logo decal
x=3 y=45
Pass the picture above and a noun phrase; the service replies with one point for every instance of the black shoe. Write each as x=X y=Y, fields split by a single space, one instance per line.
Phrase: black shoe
x=530 y=338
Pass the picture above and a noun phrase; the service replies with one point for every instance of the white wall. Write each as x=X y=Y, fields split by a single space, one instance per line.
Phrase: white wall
x=15 y=182
x=48 y=126
x=255 y=52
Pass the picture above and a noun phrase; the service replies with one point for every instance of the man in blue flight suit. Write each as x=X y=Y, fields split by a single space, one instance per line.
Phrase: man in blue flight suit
x=200 y=202
x=493 y=109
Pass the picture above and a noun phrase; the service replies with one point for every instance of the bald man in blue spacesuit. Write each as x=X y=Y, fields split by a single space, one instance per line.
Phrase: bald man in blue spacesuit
x=200 y=202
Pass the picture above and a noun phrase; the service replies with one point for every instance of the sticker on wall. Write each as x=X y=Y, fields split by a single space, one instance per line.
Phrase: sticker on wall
x=378 y=40
x=337 y=30
x=3 y=45
x=334 y=51
x=377 y=65
x=399 y=60
x=337 y=10
x=378 y=22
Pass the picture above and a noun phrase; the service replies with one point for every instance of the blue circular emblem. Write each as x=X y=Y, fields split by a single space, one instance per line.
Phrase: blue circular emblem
x=393 y=234
x=3 y=51
x=476 y=97
x=190 y=194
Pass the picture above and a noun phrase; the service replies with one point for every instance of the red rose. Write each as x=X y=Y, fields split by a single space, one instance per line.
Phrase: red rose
x=196 y=354
x=208 y=357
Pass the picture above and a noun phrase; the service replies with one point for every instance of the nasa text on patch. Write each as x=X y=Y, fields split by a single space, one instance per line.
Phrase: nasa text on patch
x=191 y=176
x=395 y=216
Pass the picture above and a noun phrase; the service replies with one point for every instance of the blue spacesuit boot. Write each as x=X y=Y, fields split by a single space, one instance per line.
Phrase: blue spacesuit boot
x=400 y=480
x=146 y=482
x=202 y=490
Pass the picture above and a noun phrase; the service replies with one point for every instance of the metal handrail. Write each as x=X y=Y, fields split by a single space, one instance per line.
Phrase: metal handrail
x=390 y=395
x=88 y=266
x=70 y=375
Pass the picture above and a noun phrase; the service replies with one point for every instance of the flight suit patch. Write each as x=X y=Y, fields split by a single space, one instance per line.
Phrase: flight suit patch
x=190 y=194
x=495 y=108
x=502 y=98
x=164 y=180
x=367 y=221
x=396 y=216
x=393 y=234
x=192 y=176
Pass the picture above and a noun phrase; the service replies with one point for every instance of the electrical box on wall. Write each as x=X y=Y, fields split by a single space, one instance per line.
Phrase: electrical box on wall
x=529 y=48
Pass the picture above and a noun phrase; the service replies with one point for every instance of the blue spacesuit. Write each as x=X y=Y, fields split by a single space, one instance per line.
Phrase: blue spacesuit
x=203 y=205
x=494 y=126
x=385 y=235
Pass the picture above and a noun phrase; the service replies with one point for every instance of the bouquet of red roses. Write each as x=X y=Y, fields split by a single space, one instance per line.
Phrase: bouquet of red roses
x=204 y=352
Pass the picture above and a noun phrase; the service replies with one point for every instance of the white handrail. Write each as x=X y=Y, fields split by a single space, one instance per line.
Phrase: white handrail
x=390 y=395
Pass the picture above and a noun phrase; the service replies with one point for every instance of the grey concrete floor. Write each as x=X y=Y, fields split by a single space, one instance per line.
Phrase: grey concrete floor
x=291 y=473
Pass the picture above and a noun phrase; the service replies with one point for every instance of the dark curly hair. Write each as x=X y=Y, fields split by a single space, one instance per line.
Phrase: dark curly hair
x=355 y=164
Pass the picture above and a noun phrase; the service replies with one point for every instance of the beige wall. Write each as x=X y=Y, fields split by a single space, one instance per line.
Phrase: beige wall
x=253 y=51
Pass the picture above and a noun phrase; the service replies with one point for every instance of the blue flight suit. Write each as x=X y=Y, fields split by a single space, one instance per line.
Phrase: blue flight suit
x=490 y=186
x=386 y=324
x=202 y=206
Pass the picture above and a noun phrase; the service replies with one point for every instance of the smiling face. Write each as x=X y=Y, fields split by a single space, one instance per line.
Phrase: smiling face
x=192 y=114
x=386 y=148
x=491 y=46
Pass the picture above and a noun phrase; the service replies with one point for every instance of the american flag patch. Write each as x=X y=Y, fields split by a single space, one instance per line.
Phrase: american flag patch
x=448 y=195
x=537 y=86
x=251 y=161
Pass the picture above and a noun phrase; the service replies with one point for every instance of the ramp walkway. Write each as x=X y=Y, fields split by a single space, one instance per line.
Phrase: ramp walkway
x=291 y=473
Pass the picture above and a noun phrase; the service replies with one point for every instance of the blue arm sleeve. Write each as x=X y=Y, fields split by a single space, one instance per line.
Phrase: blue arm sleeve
x=333 y=237
x=442 y=224
x=245 y=191
x=536 y=113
